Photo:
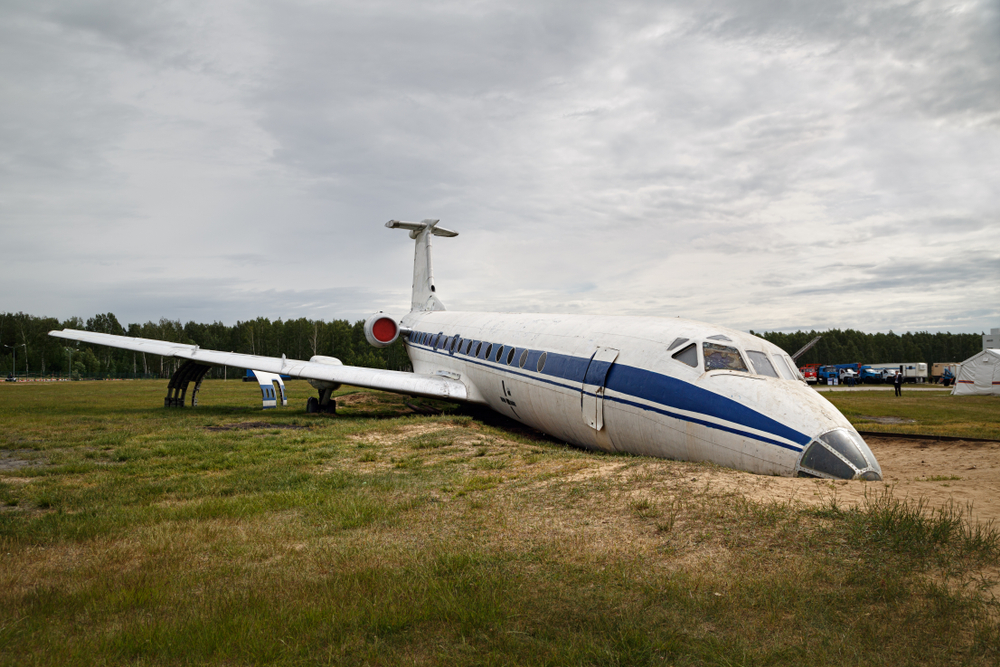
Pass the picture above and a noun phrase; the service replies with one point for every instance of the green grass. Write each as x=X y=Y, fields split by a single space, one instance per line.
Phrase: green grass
x=131 y=534
x=921 y=412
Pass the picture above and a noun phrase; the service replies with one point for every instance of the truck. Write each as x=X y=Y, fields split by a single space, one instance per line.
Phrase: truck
x=809 y=372
x=944 y=373
x=871 y=375
x=837 y=372
x=913 y=371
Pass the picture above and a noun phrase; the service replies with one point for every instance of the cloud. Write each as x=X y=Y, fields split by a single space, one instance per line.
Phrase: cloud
x=727 y=161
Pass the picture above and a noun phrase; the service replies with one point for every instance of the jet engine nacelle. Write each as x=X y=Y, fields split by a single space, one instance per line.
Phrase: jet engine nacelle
x=381 y=330
x=329 y=361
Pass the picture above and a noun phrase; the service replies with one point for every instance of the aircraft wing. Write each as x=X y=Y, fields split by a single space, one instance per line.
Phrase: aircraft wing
x=431 y=386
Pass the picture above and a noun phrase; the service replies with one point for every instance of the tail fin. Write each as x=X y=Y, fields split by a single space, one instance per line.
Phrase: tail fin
x=424 y=297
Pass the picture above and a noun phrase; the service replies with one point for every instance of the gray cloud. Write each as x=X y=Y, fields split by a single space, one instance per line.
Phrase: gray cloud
x=725 y=160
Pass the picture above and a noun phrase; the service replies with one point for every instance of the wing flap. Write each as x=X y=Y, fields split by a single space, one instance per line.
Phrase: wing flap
x=431 y=386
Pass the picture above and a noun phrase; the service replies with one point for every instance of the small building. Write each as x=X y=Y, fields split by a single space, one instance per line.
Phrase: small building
x=991 y=341
x=979 y=375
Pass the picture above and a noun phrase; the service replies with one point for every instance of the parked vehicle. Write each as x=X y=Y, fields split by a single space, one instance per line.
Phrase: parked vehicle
x=871 y=375
x=913 y=371
x=836 y=372
x=941 y=370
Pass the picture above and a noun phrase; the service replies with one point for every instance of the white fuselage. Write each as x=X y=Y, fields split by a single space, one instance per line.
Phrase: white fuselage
x=617 y=384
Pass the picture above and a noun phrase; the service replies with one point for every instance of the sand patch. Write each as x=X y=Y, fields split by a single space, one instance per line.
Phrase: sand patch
x=939 y=471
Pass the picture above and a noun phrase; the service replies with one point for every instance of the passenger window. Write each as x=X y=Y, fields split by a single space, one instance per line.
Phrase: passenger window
x=499 y=353
x=723 y=357
x=541 y=362
x=524 y=359
x=489 y=349
x=761 y=364
x=454 y=344
x=689 y=355
x=479 y=348
x=510 y=355
x=468 y=346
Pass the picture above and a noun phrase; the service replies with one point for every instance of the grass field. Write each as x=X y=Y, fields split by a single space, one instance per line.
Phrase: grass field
x=224 y=535
x=921 y=412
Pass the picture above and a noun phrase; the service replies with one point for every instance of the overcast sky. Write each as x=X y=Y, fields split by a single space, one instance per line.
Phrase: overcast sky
x=762 y=165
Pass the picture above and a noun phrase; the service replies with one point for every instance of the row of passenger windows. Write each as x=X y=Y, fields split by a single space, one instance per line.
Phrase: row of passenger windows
x=716 y=355
x=724 y=357
x=477 y=348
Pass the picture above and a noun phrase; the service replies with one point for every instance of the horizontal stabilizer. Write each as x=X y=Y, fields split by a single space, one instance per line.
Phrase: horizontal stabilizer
x=417 y=227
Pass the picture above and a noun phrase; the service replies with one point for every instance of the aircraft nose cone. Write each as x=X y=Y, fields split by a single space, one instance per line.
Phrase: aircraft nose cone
x=839 y=454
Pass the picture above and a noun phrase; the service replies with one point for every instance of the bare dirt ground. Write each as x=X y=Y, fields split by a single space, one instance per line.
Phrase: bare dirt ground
x=940 y=471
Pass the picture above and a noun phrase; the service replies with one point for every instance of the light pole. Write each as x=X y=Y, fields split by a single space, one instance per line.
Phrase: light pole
x=69 y=363
x=13 y=352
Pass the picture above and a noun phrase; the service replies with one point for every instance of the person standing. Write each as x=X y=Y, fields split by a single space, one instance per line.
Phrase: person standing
x=898 y=383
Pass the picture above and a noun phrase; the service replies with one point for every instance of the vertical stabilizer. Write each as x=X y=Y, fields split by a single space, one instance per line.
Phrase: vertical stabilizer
x=424 y=297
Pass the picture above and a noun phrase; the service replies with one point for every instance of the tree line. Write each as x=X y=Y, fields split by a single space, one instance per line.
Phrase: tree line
x=38 y=353
x=849 y=346
x=296 y=339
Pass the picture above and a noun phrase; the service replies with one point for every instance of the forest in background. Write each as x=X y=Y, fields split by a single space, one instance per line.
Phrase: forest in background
x=302 y=338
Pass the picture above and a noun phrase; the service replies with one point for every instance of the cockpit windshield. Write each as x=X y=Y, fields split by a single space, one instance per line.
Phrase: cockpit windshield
x=761 y=364
x=785 y=369
x=723 y=357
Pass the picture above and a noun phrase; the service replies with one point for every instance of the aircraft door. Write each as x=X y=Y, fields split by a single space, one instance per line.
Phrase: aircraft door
x=592 y=393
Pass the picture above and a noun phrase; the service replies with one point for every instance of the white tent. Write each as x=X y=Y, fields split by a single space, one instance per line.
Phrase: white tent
x=979 y=375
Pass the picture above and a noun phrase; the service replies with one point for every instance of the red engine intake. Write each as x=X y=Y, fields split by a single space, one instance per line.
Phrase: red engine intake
x=381 y=330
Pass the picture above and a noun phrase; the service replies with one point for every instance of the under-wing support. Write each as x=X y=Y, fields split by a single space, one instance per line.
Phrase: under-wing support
x=325 y=402
x=189 y=371
x=271 y=385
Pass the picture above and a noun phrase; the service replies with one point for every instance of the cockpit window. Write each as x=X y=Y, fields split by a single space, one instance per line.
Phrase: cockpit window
x=677 y=343
x=841 y=441
x=689 y=355
x=761 y=364
x=723 y=357
x=821 y=459
x=784 y=370
x=795 y=369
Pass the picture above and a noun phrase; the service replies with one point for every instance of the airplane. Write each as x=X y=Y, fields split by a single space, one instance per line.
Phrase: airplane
x=651 y=386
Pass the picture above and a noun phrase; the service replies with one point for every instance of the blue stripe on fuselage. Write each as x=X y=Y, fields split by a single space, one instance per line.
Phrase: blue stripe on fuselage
x=647 y=385
x=681 y=395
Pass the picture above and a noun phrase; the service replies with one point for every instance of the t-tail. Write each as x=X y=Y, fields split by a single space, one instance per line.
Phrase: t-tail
x=424 y=297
